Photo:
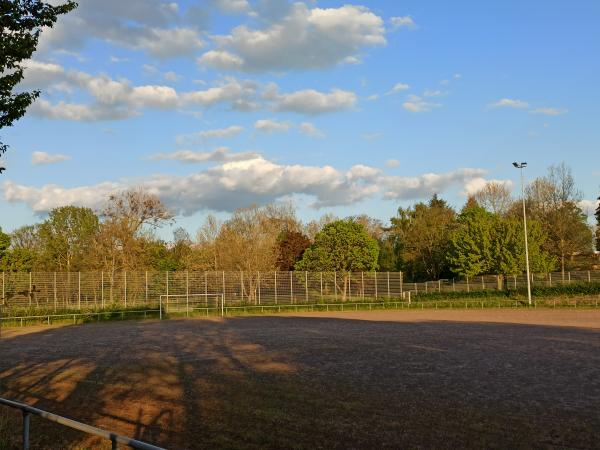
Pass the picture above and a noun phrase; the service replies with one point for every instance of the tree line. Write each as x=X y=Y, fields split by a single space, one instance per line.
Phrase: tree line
x=429 y=240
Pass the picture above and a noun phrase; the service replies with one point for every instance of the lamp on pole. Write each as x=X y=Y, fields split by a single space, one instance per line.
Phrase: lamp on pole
x=521 y=166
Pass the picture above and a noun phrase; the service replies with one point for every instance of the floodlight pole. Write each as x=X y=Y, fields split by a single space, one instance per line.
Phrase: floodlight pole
x=521 y=166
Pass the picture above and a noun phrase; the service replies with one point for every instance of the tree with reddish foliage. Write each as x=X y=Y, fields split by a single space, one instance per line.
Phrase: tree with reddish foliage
x=290 y=248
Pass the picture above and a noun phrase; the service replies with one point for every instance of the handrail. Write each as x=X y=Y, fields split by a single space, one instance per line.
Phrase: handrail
x=116 y=439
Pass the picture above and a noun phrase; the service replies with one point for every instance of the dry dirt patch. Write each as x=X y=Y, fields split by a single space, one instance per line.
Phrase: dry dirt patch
x=429 y=379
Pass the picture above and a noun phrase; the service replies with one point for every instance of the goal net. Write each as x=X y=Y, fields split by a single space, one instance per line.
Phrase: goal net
x=185 y=303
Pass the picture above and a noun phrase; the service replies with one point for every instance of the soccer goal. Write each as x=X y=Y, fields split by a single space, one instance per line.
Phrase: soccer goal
x=188 y=303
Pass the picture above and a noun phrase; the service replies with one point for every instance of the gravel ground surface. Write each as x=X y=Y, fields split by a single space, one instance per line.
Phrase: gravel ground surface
x=417 y=379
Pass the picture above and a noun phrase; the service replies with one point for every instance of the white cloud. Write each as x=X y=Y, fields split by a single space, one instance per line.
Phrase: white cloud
x=243 y=179
x=409 y=188
x=589 y=206
x=304 y=38
x=398 y=87
x=510 y=103
x=147 y=25
x=272 y=126
x=233 y=6
x=476 y=184
x=172 y=76
x=403 y=22
x=432 y=93
x=218 y=133
x=221 y=154
x=392 y=163
x=311 y=102
x=549 y=111
x=373 y=97
x=43 y=158
x=416 y=104
x=309 y=129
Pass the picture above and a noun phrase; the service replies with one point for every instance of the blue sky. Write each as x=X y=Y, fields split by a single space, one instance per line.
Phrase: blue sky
x=340 y=107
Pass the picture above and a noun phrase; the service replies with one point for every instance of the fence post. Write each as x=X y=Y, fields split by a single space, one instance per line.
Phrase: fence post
x=125 y=281
x=550 y=278
x=224 y=290
x=375 y=274
x=388 y=285
x=54 y=288
x=439 y=285
x=401 y=275
x=482 y=282
x=258 y=285
x=453 y=285
x=350 y=286
x=26 y=421
x=187 y=294
x=335 y=285
x=79 y=291
x=242 y=285
x=569 y=277
x=275 y=287
x=101 y=287
x=362 y=284
x=589 y=277
x=146 y=286
x=468 y=287
x=321 y=278
x=167 y=276
x=3 y=289
x=306 y=285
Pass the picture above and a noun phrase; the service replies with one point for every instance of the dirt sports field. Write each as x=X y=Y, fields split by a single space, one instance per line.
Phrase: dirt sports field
x=406 y=379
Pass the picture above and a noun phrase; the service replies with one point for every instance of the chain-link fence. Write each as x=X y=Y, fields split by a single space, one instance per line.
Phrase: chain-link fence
x=49 y=291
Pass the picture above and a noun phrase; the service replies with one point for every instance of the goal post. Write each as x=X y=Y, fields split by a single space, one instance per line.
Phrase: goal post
x=189 y=302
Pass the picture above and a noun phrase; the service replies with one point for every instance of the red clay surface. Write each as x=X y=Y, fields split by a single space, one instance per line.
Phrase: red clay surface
x=418 y=379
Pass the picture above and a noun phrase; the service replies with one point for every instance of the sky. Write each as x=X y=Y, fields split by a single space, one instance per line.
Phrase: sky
x=339 y=107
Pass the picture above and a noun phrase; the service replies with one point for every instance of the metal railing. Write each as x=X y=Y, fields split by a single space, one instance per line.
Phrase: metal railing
x=115 y=439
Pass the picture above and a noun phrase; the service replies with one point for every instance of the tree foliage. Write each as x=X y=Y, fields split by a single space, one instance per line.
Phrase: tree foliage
x=484 y=243
x=342 y=246
x=290 y=248
x=21 y=22
x=421 y=235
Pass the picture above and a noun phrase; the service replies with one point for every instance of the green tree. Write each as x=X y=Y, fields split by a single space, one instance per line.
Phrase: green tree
x=420 y=235
x=21 y=22
x=486 y=243
x=4 y=244
x=67 y=238
x=341 y=246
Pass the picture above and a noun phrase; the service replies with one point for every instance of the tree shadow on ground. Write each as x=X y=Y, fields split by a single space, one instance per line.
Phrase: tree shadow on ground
x=308 y=382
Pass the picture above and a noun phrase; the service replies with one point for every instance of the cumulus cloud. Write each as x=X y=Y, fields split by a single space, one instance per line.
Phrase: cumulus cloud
x=398 y=87
x=311 y=130
x=409 y=188
x=403 y=22
x=392 y=163
x=272 y=126
x=416 y=104
x=221 y=154
x=510 y=103
x=233 y=6
x=151 y=26
x=43 y=158
x=118 y=99
x=241 y=179
x=304 y=38
x=310 y=101
x=549 y=111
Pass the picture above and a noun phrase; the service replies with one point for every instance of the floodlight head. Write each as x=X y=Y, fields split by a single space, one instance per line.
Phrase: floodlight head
x=516 y=165
x=523 y=164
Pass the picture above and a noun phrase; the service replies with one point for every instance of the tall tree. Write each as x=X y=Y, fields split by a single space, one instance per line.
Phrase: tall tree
x=494 y=197
x=21 y=22
x=420 y=235
x=342 y=246
x=129 y=221
x=486 y=243
x=290 y=248
x=66 y=238
x=554 y=201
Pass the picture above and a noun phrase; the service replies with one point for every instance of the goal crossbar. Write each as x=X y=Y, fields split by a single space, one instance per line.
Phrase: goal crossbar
x=167 y=301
